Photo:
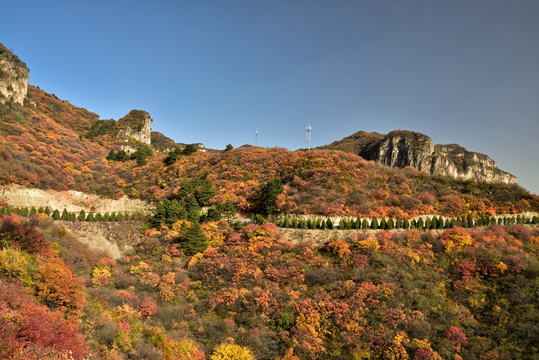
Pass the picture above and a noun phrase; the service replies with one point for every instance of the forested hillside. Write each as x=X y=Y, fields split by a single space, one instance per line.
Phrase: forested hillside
x=457 y=294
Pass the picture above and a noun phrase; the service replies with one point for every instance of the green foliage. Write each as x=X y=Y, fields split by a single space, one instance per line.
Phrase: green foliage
x=229 y=147
x=189 y=149
x=266 y=199
x=192 y=239
x=172 y=156
x=142 y=154
x=121 y=155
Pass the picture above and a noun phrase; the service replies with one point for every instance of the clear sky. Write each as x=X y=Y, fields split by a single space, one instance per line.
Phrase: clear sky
x=460 y=71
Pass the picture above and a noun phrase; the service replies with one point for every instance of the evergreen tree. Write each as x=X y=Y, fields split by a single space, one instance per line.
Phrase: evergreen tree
x=33 y=211
x=47 y=210
x=40 y=210
x=374 y=224
x=398 y=224
x=193 y=211
x=113 y=216
x=90 y=217
x=192 y=239
x=420 y=225
x=383 y=224
x=365 y=224
x=189 y=149
x=56 y=215
x=405 y=224
x=322 y=225
x=329 y=224
x=286 y=222
x=413 y=224
x=342 y=224
x=82 y=216
x=500 y=220
x=469 y=221
x=390 y=224
x=268 y=195
x=65 y=215
x=447 y=223
x=428 y=223
x=434 y=222
x=106 y=216
x=172 y=156
x=98 y=217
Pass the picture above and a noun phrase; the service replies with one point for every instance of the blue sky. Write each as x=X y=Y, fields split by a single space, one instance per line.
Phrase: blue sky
x=460 y=71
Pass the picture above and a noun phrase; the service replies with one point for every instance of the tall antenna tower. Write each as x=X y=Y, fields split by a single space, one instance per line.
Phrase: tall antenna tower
x=308 y=129
x=256 y=137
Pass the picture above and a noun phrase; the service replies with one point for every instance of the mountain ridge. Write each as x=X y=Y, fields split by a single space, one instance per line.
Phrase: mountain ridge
x=401 y=148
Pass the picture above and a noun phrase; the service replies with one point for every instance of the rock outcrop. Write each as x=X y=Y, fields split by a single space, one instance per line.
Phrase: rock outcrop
x=13 y=77
x=135 y=125
x=402 y=148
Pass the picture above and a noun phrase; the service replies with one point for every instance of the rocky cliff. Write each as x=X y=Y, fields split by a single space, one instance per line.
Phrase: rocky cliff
x=135 y=125
x=13 y=77
x=407 y=148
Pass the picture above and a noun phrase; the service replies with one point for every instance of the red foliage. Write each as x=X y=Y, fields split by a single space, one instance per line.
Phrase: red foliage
x=22 y=234
x=456 y=336
x=26 y=326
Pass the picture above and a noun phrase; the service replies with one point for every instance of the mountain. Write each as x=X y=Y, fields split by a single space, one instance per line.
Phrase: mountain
x=403 y=148
x=48 y=143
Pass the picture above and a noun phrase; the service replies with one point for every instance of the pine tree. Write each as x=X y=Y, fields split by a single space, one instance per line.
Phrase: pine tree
x=47 y=210
x=193 y=240
x=420 y=224
x=405 y=224
x=82 y=216
x=383 y=224
x=469 y=221
x=329 y=224
x=56 y=215
x=374 y=224
x=65 y=215
x=390 y=224
x=365 y=224
x=428 y=223
x=398 y=224
x=90 y=217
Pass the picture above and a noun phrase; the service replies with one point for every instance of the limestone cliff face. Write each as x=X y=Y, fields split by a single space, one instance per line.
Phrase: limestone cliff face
x=136 y=125
x=400 y=149
x=407 y=148
x=13 y=77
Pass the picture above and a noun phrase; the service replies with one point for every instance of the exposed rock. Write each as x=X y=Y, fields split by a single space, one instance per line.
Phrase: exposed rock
x=13 y=77
x=72 y=201
x=135 y=125
x=402 y=148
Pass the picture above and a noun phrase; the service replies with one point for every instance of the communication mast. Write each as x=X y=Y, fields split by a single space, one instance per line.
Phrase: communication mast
x=256 y=137
x=308 y=129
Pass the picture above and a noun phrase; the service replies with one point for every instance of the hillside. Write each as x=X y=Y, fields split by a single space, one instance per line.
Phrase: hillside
x=46 y=144
x=209 y=275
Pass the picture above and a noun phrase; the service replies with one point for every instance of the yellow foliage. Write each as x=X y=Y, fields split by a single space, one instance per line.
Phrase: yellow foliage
x=230 y=351
x=421 y=344
x=182 y=349
x=141 y=268
x=501 y=266
x=172 y=234
x=126 y=312
x=195 y=259
x=13 y=263
x=100 y=275
x=369 y=244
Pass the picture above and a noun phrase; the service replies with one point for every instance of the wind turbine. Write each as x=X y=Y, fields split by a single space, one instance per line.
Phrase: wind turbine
x=308 y=129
